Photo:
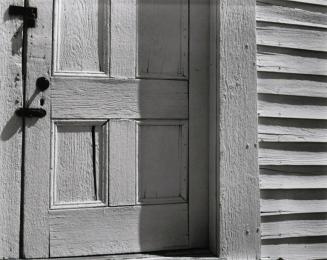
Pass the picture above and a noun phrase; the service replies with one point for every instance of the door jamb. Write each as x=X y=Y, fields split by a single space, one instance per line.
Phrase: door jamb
x=234 y=223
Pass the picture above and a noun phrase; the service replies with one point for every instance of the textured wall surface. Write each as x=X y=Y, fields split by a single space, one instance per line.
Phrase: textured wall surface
x=292 y=108
x=10 y=131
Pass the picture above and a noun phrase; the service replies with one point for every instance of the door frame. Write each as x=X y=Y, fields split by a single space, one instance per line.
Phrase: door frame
x=234 y=199
x=234 y=220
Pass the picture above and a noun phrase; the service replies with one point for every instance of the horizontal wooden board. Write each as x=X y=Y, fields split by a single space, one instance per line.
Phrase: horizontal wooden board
x=199 y=254
x=292 y=130
x=294 y=251
x=291 y=107
x=293 y=226
x=270 y=207
x=118 y=230
x=292 y=84
x=276 y=181
x=305 y=16
x=292 y=154
x=315 y=2
x=273 y=60
x=270 y=34
x=96 y=98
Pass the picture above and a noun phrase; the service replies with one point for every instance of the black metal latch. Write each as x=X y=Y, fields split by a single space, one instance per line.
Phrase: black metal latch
x=31 y=112
x=28 y=13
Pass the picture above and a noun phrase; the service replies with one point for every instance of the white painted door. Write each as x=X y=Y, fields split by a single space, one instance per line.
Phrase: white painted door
x=119 y=163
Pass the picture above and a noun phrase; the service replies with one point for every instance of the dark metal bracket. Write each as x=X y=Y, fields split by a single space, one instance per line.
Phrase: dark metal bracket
x=31 y=112
x=28 y=13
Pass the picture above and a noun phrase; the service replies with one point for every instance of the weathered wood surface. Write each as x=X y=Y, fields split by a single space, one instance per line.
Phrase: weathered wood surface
x=200 y=254
x=123 y=39
x=294 y=85
x=291 y=61
x=292 y=107
x=122 y=158
x=285 y=13
x=171 y=40
x=273 y=227
x=78 y=233
x=88 y=98
x=270 y=207
x=37 y=175
x=293 y=154
x=292 y=130
x=292 y=127
x=293 y=177
x=315 y=2
x=237 y=165
x=81 y=37
x=10 y=130
x=286 y=36
x=294 y=251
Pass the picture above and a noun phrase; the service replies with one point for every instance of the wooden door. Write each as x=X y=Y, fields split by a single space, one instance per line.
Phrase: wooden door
x=119 y=163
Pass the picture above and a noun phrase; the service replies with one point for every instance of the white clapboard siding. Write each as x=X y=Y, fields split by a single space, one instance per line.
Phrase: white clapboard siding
x=270 y=207
x=289 y=154
x=267 y=11
x=315 y=2
x=291 y=107
x=279 y=84
x=292 y=111
x=293 y=228
x=293 y=177
x=271 y=60
x=292 y=130
x=269 y=34
x=293 y=182
x=294 y=251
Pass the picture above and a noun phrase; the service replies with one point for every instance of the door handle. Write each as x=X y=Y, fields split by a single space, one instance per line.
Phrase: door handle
x=31 y=112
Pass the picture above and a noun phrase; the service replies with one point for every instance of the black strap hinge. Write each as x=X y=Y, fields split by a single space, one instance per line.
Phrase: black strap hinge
x=28 y=13
x=31 y=112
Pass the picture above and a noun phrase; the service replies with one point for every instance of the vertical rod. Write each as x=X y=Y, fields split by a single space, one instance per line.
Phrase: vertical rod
x=22 y=192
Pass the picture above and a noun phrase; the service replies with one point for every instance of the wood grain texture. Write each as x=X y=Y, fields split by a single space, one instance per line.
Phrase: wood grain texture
x=291 y=38
x=75 y=98
x=293 y=177
x=37 y=175
x=122 y=167
x=10 y=131
x=287 y=36
x=299 y=62
x=118 y=229
x=315 y=2
x=290 y=84
x=79 y=176
x=286 y=226
x=271 y=207
x=292 y=130
x=123 y=39
x=162 y=164
x=163 y=39
x=291 y=107
x=81 y=37
x=294 y=251
x=292 y=154
x=285 y=13
x=237 y=165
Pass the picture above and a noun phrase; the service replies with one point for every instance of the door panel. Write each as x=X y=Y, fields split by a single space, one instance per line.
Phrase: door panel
x=108 y=170
x=118 y=229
